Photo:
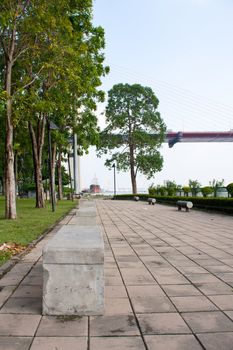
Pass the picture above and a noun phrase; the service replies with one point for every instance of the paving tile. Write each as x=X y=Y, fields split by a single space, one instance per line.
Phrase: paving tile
x=120 y=306
x=221 y=268
x=11 y=279
x=177 y=290
x=192 y=269
x=138 y=279
x=115 y=292
x=215 y=288
x=18 y=325
x=116 y=343
x=216 y=341
x=162 y=323
x=224 y=302
x=193 y=303
x=64 y=326
x=33 y=280
x=15 y=343
x=214 y=321
x=113 y=281
x=172 y=342
x=202 y=278
x=5 y=293
x=229 y=314
x=152 y=304
x=121 y=325
x=28 y=292
x=145 y=291
x=225 y=276
x=23 y=306
x=59 y=343
x=209 y=262
x=172 y=279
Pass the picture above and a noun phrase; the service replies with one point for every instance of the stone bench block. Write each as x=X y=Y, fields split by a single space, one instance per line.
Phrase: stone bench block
x=73 y=272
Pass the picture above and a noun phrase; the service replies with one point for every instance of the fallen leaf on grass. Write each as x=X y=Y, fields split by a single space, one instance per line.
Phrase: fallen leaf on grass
x=12 y=248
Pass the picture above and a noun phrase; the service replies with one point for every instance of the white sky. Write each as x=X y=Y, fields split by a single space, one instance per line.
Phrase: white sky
x=183 y=50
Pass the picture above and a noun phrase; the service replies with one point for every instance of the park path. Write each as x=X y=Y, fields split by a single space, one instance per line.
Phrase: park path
x=169 y=285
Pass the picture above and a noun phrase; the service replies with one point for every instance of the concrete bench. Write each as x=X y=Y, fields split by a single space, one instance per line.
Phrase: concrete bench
x=184 y=204
x=73 y=272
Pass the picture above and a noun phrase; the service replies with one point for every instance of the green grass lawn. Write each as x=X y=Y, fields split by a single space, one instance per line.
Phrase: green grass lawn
x=30 y=223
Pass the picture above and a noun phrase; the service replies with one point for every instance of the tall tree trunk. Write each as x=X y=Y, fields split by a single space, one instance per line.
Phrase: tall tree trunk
x=132 y=171
x=37 y=147
x=10 y=196
x=59 y=175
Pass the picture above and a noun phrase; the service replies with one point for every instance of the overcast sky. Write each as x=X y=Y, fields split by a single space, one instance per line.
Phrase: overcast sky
x=183 y=50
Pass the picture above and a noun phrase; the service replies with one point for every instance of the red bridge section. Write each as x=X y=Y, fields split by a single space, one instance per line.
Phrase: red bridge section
x=198 y=136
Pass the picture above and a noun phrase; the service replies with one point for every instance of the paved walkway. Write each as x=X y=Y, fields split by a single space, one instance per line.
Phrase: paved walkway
x=169 y=285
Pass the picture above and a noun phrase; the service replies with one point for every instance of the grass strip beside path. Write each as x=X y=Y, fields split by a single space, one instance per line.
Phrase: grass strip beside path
x=30 y=223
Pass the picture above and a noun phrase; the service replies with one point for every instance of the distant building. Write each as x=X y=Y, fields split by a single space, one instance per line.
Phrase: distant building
x=95 y=187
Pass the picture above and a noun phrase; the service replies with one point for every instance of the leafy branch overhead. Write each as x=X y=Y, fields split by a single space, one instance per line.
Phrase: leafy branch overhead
x=134 y=131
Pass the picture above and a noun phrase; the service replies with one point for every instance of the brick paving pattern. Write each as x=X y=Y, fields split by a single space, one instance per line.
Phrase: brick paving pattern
x=169 y=286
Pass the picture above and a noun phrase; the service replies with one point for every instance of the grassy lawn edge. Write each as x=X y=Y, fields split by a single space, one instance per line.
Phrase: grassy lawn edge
x=31 y=225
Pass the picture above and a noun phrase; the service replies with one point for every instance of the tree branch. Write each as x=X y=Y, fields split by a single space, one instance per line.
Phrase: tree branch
x=20 y=53
x=32 y=81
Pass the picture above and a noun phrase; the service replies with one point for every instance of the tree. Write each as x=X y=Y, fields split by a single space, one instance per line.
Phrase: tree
x=171 y=188
x=194 y=186
x=135 y=130
x=230 y=189
x=51 y=59
x=216 y=184
x=207 y=190
x=186 y=190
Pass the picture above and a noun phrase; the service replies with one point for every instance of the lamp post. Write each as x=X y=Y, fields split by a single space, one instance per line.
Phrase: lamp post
x=114 y=178
x=51 y=126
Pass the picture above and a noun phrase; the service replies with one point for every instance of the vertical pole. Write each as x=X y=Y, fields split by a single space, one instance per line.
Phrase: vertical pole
x=79 y=176
x=71 y=186
x=50 y=167
x=76 y=191
x=114 y=177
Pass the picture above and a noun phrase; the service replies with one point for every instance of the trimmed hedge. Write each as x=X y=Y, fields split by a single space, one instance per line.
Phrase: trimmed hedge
x=208 y=203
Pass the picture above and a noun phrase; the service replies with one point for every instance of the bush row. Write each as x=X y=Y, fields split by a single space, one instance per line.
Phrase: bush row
x=218 y=204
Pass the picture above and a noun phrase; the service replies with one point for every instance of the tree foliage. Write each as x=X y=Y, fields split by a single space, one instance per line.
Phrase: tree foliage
x=230 y=189
x=134 y=132
x=207 y=190
x=194 y=187
x=51 y=64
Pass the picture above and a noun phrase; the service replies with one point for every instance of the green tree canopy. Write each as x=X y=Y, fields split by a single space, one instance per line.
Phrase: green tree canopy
x=134 y=132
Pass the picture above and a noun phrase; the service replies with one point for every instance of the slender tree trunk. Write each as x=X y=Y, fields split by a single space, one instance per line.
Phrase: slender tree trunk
x=37 y=147
x=10 y=197
x=59 y=175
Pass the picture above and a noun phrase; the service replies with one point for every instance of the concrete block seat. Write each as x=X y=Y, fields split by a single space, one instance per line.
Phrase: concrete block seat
x=73 y=272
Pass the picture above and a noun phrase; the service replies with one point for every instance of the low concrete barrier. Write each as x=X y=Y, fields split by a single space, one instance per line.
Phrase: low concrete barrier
x=73 y=271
